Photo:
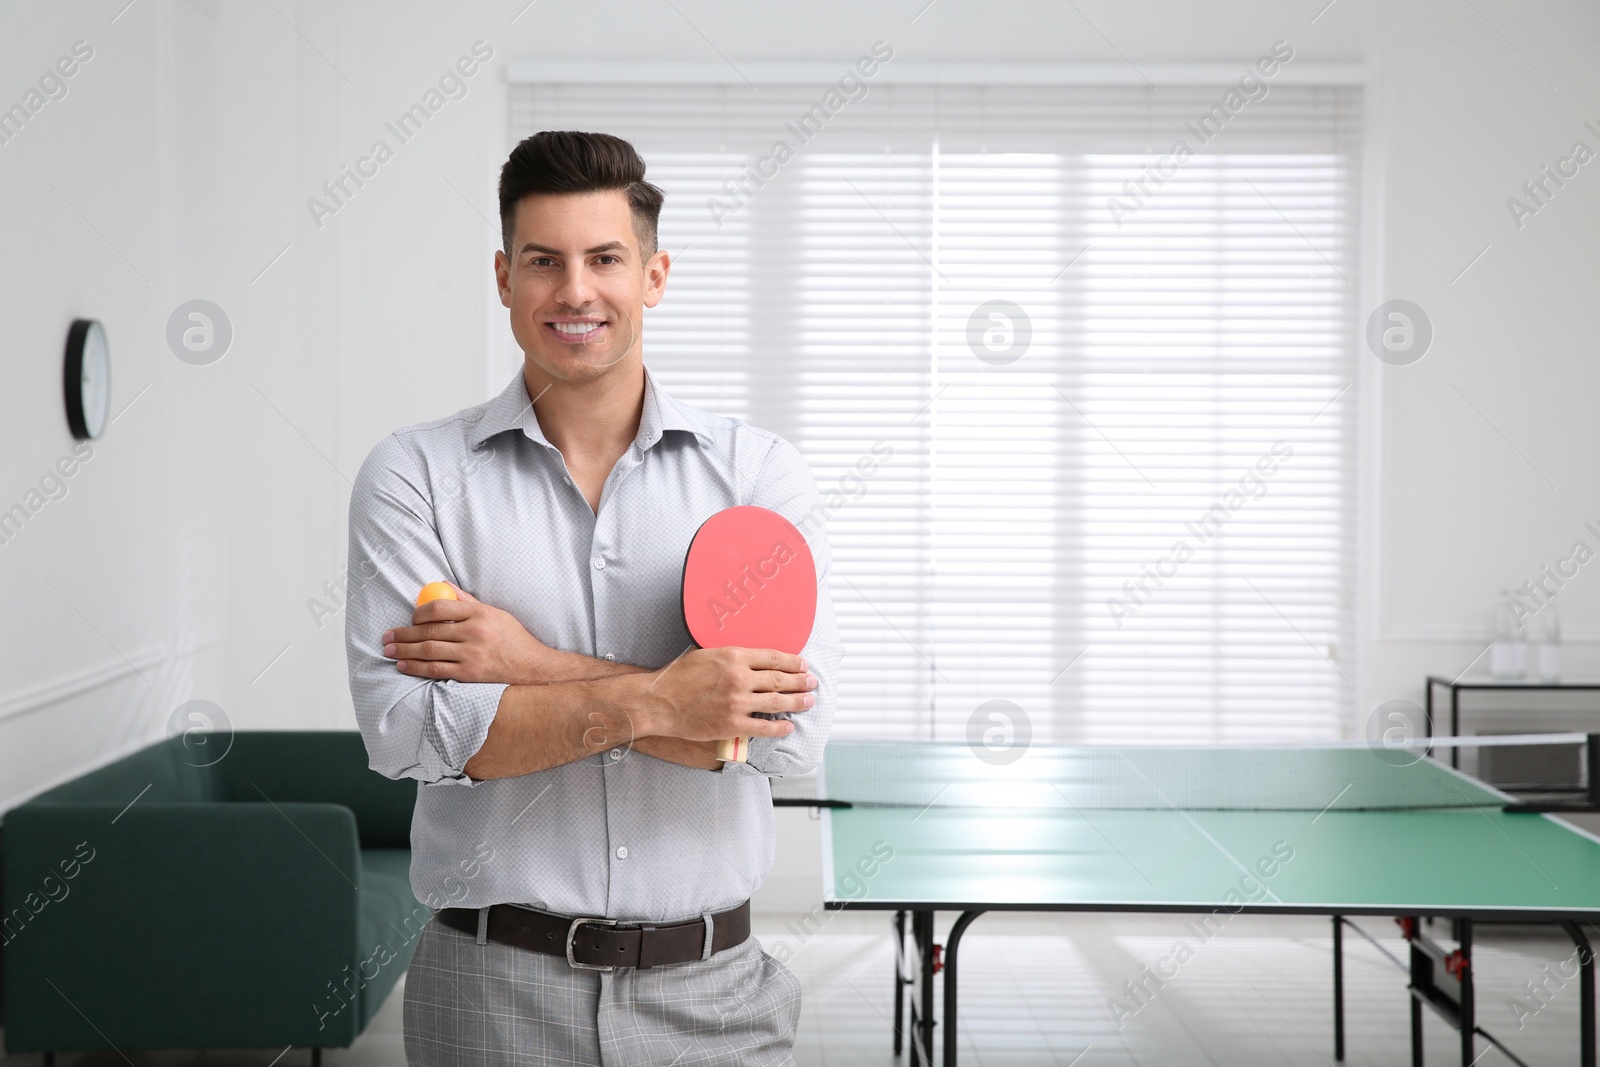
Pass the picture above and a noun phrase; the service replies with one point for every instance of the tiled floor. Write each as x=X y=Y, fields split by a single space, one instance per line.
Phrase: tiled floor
x=1035 y=990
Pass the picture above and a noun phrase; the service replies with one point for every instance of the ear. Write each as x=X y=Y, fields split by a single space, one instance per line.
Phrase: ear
x=502 y=277
x=656 y=269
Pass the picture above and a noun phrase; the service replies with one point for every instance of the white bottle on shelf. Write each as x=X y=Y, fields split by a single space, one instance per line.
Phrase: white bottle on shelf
x=1549 y=644
x=1508 y=655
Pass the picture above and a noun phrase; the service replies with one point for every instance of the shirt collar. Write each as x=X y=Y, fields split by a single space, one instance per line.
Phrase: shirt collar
x=512 y=410
x=662 y=412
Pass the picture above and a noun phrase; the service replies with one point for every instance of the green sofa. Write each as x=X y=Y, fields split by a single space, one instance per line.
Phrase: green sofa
x=260 y=901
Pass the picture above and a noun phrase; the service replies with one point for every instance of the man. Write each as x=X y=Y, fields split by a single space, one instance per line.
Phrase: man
x=560 y=723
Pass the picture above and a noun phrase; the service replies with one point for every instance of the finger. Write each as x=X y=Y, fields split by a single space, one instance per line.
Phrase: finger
x=783 y=682
x=770 y=659
x=435 y=651
x=768 y=728
x=772 y=703
x=442 y=611
x=433 y=631
x=463 y=594
x=461 y=630
x=421 y=668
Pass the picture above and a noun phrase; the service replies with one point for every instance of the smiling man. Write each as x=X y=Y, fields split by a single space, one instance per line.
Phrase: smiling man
x=590 y=858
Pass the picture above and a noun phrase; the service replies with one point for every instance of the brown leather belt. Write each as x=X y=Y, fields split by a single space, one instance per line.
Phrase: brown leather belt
x=603 y=944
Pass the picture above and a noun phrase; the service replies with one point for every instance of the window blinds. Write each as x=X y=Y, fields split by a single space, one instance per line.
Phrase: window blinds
x=1119 y=499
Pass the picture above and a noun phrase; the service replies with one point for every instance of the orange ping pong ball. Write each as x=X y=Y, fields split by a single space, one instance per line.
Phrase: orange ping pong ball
x=436 y=591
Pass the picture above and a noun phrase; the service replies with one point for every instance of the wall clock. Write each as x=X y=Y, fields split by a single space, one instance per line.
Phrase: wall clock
x=87 y=378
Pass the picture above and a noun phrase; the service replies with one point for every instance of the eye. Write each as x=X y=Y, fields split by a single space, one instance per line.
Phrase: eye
x=613 y=259
x=541 y=262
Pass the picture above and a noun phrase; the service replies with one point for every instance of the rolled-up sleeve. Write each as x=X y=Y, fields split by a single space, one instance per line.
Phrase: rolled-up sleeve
x=786 y=485
x=413 y=728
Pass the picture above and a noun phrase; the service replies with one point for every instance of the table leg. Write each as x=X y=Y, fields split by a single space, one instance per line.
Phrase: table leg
x=899 y=978
x=1591 y=751
x=951 y=947
x=1416 y=1031
x=1427 y=716
x=1586 y=1049
x=1469 y=1019
x=1455 y=726
x=1414 y=957
x=1338 y=987
x=922 y=994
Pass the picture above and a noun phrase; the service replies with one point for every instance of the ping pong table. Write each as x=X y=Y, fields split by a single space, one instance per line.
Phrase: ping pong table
x=1336 y=830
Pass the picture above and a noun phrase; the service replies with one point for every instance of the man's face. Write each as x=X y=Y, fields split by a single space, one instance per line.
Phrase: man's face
x=577 y=284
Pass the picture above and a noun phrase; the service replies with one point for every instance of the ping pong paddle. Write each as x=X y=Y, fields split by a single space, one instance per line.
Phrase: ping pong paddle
x=749 y=581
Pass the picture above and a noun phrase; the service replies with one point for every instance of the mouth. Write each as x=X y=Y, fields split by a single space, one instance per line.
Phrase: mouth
x=577 y=331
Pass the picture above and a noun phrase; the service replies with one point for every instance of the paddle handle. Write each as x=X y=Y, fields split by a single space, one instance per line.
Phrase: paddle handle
x=734 y=750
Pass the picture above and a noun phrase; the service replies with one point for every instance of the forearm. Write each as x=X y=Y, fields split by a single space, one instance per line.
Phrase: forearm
x=558 y=666
x=552 y=665
x=537 y=727
x=561 y=666
x=701 y=755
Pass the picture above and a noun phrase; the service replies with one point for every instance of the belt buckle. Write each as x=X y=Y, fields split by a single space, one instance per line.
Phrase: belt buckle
x=572 y=932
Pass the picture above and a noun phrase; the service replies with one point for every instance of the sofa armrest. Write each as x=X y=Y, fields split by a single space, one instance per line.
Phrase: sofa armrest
x=184 y=925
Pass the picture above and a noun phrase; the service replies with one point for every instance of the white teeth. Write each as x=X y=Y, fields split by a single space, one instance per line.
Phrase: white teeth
x=577 y=327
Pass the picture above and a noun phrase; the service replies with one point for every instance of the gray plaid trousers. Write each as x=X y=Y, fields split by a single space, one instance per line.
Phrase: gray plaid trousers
x=472 y=1005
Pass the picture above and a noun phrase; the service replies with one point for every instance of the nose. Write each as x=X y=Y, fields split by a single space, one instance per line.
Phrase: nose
x=577 y=288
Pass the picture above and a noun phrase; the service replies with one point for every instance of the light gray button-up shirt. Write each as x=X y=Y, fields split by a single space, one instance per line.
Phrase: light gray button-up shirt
x=483 y=499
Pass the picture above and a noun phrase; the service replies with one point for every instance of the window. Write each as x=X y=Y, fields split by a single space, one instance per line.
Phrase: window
x=1068 y=351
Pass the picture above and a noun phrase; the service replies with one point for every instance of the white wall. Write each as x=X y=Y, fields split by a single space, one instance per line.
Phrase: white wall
x=117 y=591
x=216 y=508
x=1479 y=464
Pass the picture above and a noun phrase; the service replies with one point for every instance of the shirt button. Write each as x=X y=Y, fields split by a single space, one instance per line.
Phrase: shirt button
x=611 y=655
x=622 y=852
x=616 y=754
x=599 y=563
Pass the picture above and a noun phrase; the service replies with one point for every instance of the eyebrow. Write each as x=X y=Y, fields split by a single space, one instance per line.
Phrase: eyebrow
x=609 y=246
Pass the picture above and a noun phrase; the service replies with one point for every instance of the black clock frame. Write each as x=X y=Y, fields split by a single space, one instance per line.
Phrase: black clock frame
x=72 y=377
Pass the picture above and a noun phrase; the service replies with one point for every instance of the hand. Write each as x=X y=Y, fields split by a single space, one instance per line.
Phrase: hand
x=466 y=640
x=714 y=693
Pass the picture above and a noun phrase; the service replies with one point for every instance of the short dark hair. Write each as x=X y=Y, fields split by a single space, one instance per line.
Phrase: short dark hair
x=569 y=161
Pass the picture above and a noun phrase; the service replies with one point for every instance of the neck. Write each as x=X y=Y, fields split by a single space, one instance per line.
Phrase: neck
x=596 y=419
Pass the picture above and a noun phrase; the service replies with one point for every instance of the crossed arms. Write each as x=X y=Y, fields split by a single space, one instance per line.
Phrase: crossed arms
x=559 y=707
x=465 y=693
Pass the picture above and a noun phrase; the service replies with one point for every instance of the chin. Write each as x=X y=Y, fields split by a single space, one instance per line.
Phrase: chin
x=569 y=367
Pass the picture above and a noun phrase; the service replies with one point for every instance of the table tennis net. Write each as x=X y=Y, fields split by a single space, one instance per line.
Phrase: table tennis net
x=1352 y=776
